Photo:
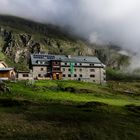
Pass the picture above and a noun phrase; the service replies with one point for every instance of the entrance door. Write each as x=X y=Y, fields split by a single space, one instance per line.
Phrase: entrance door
x=57 y=76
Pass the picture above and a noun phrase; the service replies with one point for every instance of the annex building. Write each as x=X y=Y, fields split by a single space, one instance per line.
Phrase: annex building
x=62 y=67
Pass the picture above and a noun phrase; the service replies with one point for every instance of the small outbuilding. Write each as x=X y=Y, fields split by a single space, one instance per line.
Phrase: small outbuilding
x=7 y=74
x=24 y=75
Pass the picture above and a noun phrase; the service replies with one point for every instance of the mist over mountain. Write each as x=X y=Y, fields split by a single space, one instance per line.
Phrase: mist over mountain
x=20 y=37
x=99 y=21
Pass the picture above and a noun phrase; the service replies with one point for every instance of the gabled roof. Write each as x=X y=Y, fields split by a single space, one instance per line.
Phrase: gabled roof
x=44 y=58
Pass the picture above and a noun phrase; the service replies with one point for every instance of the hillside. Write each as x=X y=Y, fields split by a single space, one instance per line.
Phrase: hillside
x=68 y=110
x=20 y=37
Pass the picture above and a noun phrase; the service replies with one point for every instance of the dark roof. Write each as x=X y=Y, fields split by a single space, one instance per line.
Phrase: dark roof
x=6 y=69
x=44 y=58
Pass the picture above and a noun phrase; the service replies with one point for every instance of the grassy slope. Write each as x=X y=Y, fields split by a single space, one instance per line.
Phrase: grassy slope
x=60 y=110
x=58 y=91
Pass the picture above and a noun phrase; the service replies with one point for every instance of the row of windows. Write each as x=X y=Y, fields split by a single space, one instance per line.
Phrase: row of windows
x=58 y=63
x=91 y=70
x=75 y=75
x=73 y=64
x=25 y=75
x=64 y=75
x=77 y=64
x=45 y=62
x=55 y=69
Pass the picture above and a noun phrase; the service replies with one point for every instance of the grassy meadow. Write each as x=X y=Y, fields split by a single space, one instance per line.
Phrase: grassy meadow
x=70 y=110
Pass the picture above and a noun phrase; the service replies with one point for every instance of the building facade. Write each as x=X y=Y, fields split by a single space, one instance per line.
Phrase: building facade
x=61 y=67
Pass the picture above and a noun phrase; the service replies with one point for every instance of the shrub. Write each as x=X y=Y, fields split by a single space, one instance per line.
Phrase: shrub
x=121 y=76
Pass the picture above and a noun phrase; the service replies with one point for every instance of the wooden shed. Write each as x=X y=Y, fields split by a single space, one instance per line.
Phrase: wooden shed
x=7 y=73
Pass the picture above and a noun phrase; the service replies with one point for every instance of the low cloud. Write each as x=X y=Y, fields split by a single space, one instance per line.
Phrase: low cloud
x=96 y=20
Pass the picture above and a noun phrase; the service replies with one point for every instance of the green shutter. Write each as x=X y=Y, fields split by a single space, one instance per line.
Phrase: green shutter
x=72 y=68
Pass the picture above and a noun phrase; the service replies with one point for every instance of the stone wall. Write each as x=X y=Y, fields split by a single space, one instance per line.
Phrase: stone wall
x=39 y=71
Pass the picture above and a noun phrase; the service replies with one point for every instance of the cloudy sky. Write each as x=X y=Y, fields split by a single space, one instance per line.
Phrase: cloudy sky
x=99 y=21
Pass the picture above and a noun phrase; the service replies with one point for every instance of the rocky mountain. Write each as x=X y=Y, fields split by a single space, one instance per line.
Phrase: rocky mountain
x=20 y=37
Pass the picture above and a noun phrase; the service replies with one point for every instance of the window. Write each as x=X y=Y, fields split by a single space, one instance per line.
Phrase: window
x=39 y=75
x=41 y=69
x=64 y=75
x=69 y=69
x=66 y=64
x=80 y=70
x=63 y=69
x=92 y=75
x=92 y=70
x=80 y=75
x=69 y=75
x=75 y=69
x=25 y=75
x=80 y=64
x=91 y=64
x=56 y=63
x=75 y=64
x=75 y=75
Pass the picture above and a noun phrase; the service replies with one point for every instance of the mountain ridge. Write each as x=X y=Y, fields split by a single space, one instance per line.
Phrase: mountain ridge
x=20 y=37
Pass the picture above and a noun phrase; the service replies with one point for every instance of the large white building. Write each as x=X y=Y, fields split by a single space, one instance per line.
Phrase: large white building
x=61 y=67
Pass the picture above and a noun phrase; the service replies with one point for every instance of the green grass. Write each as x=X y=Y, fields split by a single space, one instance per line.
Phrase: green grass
x=49 y=110
x=56 y=91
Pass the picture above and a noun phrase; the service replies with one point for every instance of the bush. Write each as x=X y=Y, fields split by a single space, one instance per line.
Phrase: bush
x=3 y=87
x=121 y=76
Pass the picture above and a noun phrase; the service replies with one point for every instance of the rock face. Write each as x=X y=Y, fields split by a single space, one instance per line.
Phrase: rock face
x=17 y=47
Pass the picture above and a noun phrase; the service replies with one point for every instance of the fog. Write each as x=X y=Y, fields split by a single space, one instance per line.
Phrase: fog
x=99 y=21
